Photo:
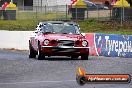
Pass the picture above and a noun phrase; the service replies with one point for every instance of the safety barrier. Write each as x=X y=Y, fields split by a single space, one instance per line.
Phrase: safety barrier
x=14 y=39
x=112 y=45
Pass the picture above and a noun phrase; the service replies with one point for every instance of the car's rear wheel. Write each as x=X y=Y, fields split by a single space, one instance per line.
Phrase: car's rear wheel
x=84 y=57
x=32 y=53
x=41 y=55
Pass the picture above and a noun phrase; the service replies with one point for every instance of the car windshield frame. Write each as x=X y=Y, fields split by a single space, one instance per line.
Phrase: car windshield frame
x=61 y=28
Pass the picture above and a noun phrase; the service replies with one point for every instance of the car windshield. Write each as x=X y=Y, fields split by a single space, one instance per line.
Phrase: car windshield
x=62 y=28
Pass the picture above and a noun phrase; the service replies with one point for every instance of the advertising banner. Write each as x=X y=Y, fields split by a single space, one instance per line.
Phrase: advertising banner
x=90 y=37
x=113 y=45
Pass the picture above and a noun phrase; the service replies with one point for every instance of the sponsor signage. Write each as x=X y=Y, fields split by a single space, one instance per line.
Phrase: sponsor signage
x=82 y=78
x=113 y=45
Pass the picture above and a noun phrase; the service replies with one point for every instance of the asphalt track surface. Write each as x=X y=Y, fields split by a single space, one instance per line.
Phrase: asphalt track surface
x=18 y=71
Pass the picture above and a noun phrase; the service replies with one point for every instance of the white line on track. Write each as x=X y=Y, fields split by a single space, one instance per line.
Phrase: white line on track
x=32 y=82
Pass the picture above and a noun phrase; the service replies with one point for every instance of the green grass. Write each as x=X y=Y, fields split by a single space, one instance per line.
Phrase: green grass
x=27 y=20
x=42 y=15
x=87 y=26
x=109 y=27
x=20 y=25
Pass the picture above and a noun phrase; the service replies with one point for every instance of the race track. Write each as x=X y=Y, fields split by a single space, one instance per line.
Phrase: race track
x=18 y=71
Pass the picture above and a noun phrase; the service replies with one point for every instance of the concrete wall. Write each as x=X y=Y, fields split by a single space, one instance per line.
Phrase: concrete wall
x=112 y=45
x=50 y=2
x=45 y=2
x=14 y=39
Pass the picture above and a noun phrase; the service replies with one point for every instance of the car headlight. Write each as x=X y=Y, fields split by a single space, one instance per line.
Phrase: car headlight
x=84 y=43
x=46 y=42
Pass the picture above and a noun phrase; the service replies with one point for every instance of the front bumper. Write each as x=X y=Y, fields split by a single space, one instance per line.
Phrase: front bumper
x=65 y=50
x=65 y=47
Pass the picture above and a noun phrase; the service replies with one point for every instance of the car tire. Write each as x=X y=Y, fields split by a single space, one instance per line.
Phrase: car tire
x=84 y=57
x=41 y=55
x=32 y=53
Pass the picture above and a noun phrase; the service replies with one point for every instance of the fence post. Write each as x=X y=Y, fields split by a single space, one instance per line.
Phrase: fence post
x=121 y=16
x=76 y=13
x=23 y=5
x=87 y=11
x=17 y=14
x=98 y=13
x=66 y=11
x=45 y=9
x=110 y=12
x=36 y=12
x=56 y=13
x=41 y=5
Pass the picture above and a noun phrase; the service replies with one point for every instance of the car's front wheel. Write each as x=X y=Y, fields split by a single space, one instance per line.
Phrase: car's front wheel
x=32 y=53
x=41 y=55
x=84 y=57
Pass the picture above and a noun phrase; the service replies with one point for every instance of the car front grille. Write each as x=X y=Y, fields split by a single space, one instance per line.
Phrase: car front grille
x=65 y=43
